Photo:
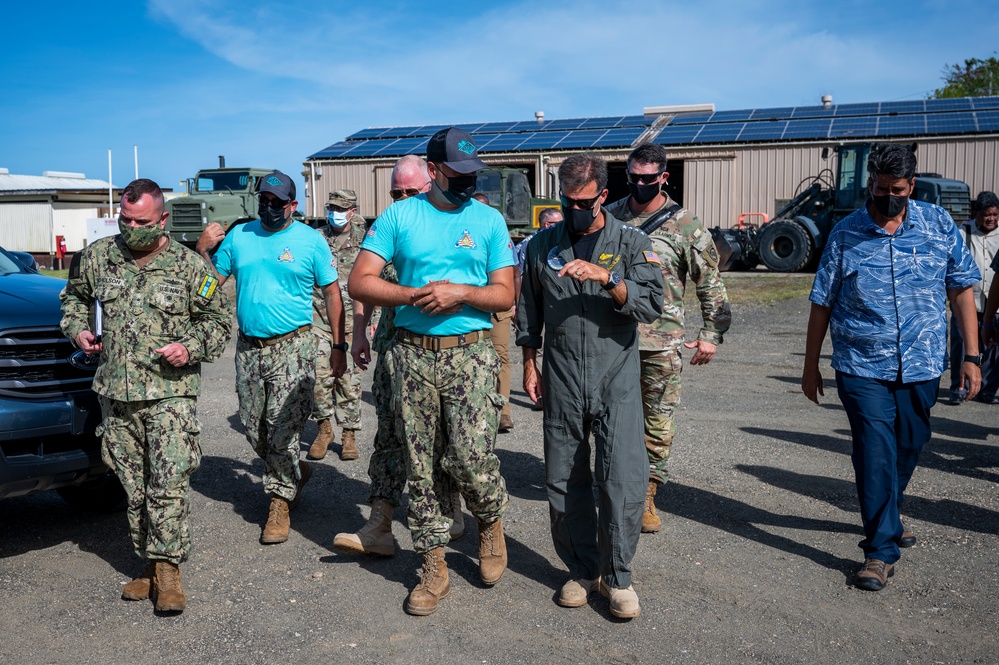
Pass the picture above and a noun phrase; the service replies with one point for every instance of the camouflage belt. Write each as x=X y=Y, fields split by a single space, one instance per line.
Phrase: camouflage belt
x=261 y=342
x=438 y=342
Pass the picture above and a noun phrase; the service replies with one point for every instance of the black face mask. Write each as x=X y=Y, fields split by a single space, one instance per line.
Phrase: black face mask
x=459 y=188
x=578 y=221
x=643 y=193
x=889 y=205
x=271 y=218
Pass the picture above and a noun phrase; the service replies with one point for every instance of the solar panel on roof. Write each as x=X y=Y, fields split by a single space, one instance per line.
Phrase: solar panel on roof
x=988 y=121
x=912 y=106
x=619 y=137
x=404 y=147
x=859 y=126
x=572 y=123
x=780 y=113
x=857 y=109
x=636 y=121
x=426 y=130
x=494 y=128
x=581 y=138
x=720 y=133
x=690 y=118
x=812 y=112
x=951 y=123
x=901 y=125
x=985 y=102
x=957 y=104
x=763 y=131
x=671 y=135
x=730 y=116
x=371 y=132
x=334 y=150
x=542 y=140
x=502 y=142
x=369 y=147
x=807 y=129
x=595 y=123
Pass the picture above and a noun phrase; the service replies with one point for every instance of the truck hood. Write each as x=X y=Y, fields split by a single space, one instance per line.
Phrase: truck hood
x=29 y=300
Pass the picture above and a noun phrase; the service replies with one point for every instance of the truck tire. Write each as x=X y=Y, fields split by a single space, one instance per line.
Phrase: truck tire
x=785 y=246
x=101 y=495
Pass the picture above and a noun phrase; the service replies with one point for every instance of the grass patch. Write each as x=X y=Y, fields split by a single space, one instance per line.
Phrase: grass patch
x=61 y=274
x=762 y=288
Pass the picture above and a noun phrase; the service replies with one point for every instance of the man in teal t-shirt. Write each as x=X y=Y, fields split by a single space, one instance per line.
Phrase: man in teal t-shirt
x=455 y=267
x=276 y=262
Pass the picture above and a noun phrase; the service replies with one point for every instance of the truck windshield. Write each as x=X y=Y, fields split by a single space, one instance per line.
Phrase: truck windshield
x=8 y=264
x=488 y=183
x=229 y=181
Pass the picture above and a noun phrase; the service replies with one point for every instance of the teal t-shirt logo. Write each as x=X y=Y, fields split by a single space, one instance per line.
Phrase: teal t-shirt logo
x=466 y=147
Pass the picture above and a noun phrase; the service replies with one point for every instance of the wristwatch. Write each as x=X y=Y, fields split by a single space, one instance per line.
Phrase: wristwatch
x=342 y=346
x=975 y=360
x=612 y=281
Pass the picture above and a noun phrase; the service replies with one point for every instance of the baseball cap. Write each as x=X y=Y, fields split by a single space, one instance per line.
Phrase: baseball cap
x=280 y=185
x=343 y=198
x=456 y=149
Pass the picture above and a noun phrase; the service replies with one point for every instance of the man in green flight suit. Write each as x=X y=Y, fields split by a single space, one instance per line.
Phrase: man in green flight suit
x=161 y=315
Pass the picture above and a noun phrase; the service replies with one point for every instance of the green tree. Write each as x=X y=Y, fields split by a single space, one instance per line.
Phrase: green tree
x=975 y=78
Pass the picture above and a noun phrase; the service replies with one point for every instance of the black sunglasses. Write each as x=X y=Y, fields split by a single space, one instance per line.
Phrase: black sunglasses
x=579 y=204
x=399 y=194
x=273 y=204
x=643 y=178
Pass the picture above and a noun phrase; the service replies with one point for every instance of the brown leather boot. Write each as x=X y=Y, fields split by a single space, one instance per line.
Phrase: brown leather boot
x=278 y=523
x=434 y=585
x=166 y=582
x=650 y=518
x=348 y=450
x=373 y=538
x=139 y=588
x=492 y=552
x=323 y=440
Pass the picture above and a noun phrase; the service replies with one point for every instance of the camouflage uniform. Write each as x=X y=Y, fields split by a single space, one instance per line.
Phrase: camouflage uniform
x=685 y=248
x=338 y=398
x=275 y=385
x=150 y=429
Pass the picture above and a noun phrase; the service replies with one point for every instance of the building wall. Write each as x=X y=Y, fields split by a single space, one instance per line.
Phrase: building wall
x=70 y=221
x=26 y=227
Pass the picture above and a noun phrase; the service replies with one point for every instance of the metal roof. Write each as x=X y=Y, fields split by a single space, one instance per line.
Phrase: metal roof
x=963 y=115
x=11 y=184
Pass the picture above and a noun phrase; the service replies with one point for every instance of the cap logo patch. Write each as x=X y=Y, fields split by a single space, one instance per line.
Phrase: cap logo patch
x=274 y=181
x=466 y=147
x=465 y=241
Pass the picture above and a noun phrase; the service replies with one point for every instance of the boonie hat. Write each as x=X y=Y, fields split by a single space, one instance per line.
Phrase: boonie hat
x=280 y=185
x=343 y=198
x=456 y=149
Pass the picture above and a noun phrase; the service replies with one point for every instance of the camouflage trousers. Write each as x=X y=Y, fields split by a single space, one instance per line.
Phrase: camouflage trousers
x=387 y=467
x=454 y=389
x=336 y=398
x=274 y=385
x=660 y=379
x=153 y=448
x=500 y=336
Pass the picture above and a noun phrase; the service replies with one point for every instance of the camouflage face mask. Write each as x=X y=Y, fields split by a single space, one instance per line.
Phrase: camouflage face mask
x=140 y=237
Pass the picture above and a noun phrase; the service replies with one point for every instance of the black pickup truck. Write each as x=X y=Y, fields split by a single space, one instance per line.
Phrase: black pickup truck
x=48 y=413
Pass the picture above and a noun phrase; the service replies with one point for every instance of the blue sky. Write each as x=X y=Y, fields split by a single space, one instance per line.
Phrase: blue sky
x=268 y=84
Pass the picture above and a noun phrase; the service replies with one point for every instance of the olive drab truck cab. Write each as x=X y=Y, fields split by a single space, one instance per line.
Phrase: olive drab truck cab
x=509 y=191
x=224 y=195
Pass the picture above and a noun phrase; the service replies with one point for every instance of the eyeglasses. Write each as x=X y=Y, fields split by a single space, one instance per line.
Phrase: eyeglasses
x=643 y=178
x=399 y=194
x=579 y=204
x=274 y=203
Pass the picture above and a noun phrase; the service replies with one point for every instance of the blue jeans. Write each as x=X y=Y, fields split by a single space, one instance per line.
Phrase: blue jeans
x=890 y=422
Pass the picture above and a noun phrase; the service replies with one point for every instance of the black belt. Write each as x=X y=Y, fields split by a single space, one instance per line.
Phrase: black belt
x=438 y=342
x=261 y=342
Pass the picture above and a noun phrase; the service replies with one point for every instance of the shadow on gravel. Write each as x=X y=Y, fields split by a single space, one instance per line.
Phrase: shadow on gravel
x=843 y=495
x=973 y=460
x=741 y=519
x=524 y=474
x=29 y=524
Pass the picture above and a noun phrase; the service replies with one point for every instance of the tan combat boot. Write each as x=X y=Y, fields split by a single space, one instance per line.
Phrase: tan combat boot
x=323 y=440
x=166 y=582
x=348 y=451
x=373 y=538
x=434 y=585
x=457 y=529
x=278 y=523
x=650 y=518
x=492 y=552
x=139 y=588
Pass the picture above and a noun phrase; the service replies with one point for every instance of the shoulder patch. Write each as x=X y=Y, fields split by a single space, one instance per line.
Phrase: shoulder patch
x=74 y=265
x=651 y=257
x=207 y=287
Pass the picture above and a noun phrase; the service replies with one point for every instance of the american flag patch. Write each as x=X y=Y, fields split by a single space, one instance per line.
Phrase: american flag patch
x=651 y=257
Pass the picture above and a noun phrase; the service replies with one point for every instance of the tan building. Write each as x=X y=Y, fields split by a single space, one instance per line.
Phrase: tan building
x=723 y=163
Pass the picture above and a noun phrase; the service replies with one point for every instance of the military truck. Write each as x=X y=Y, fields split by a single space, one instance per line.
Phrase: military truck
x=509 y=191
x=224 y=195
x=793 y=240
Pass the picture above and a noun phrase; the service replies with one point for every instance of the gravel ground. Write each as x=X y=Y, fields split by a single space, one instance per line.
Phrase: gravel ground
x=753 y=564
